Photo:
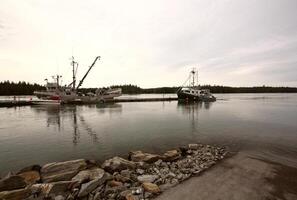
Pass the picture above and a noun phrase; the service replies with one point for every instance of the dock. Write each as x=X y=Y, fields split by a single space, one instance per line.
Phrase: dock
x=17 y=103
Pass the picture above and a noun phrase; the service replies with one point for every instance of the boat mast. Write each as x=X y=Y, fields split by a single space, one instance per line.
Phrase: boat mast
x=74 y=63
x=193 y=77
x=57 y=79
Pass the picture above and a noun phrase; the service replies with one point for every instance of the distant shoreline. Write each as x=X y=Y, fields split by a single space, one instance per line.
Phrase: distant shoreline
x=18 y=95
x=8 y=88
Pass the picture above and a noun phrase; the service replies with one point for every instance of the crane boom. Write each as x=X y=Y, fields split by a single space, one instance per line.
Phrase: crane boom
x=82 y=80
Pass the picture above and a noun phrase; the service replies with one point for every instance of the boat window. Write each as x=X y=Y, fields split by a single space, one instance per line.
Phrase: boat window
x=187 y=91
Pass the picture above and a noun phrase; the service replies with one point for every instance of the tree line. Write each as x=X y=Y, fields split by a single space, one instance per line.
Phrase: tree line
x=133 y=89
x=19 y=88
x=24 y=88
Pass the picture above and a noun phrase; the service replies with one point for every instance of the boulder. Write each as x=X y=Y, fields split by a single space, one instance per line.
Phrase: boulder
x=140 y=171
x=193 y=146
x=147 y=178
x=53 y=189
x=152 y=188
x=88 y=175
x=88 y=187
x=131 y=197
x=114 y=183
x=172 y=155
x=123 y=179
x=60 y=197
x=62 y=171
x=117 y=164
x=12 y=182
x=30 y=177
x=19 y=194
x=183 y=150
x=139 y=156
x=126 y=173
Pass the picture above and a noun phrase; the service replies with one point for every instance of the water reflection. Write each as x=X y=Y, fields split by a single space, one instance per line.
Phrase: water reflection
x=56 y=115
x=191 y=109
x=111 y=108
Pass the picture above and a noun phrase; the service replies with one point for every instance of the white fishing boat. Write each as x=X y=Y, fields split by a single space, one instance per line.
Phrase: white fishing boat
x=71 y=93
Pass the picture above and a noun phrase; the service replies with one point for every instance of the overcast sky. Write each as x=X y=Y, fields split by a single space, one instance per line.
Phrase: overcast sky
x=151 y=43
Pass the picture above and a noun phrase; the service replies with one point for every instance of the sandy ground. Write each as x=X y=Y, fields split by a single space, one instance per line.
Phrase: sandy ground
x=239 y=177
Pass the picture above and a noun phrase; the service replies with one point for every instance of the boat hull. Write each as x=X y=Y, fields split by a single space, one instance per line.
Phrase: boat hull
x=46 y=102
x=193 y=97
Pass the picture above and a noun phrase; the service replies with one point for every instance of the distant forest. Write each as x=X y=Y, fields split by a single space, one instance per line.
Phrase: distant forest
x=23 y=88
x=19 y=88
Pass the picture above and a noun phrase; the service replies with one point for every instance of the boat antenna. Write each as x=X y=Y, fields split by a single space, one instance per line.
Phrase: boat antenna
x=197 y=78
x=82 y=80
x=193 y=72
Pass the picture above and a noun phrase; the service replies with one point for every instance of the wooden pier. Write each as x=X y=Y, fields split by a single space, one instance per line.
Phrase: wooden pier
x=17 y=103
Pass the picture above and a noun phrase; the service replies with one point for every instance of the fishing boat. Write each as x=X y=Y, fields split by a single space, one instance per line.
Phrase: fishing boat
x=71 y=94
x=193 y=92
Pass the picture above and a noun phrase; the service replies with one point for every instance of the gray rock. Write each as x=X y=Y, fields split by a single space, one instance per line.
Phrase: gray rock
x=126 y=173
x=147 y=178
x=112 y=192
x=142 y=165
x=160 y=181
x=179 y=176
x=30 y=177
x=70 y=197
x=137 y=190
x=86 y=188
x=122 y=179
x=12 y=183
x=171 y=155
x=147 y=195
x=171 y=175
x=174 y=181
x=91 y=196
x=62 y=171
x=89 y=175
x=97 y=196
x=53 y=189
x=59 y=197
x=139 y=156
x=19 y=194
x=158 y=162
x=193 y=146
x=140 y=171
x=117 y=164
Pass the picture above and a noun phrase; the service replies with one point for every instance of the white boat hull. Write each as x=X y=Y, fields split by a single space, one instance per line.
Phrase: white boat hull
x=46 y=102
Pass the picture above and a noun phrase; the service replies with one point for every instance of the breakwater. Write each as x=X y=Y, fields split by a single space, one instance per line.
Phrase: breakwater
x=28 y=102
x=141 y=176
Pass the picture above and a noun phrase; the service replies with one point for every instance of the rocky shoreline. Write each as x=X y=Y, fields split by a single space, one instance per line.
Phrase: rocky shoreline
x=141 y=176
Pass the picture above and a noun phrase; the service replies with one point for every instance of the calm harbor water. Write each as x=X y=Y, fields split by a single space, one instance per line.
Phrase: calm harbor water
x=265 y=124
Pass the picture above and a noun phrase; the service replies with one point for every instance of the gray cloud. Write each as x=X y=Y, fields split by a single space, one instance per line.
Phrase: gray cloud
x=233 y=42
